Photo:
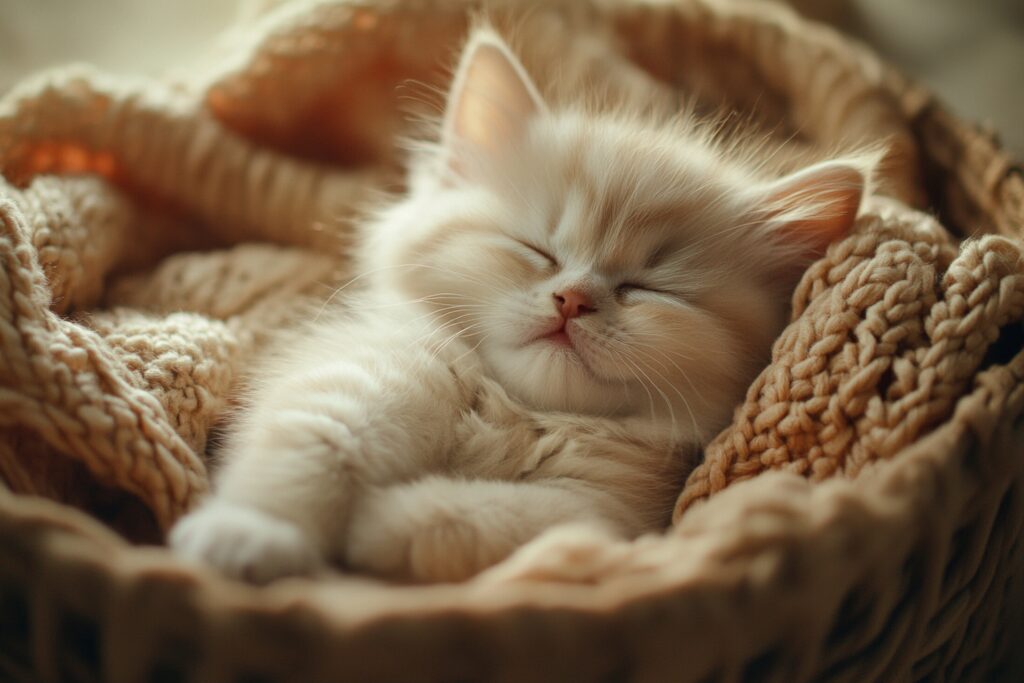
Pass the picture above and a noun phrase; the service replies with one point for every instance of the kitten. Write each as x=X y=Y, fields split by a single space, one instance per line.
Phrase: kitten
x=563 y=307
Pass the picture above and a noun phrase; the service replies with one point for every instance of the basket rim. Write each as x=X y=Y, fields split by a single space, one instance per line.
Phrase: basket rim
x=68 y=535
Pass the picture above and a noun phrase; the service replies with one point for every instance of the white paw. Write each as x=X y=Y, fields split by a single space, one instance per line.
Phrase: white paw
x=243 y=543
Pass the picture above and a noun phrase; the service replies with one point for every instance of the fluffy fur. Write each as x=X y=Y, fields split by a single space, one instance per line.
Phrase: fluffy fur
x=567 y=302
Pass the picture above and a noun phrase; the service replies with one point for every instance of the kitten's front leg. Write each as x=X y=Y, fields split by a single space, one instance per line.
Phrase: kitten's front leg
x=313 y=440
x=442 y=529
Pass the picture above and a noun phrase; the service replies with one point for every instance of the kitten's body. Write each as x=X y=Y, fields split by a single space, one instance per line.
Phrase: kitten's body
x=560 y=311
x=445 y=473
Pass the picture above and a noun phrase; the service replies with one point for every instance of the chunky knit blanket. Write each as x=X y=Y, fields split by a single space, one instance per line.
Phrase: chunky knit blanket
x=153 y=233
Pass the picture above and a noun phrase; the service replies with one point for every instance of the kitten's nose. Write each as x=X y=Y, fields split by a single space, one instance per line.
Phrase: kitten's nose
x=573 y=303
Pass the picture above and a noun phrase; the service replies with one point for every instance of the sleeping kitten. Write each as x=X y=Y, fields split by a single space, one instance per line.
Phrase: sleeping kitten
x=565 y=305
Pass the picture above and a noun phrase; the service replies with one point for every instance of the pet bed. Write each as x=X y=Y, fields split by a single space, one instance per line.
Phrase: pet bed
x=860 y=519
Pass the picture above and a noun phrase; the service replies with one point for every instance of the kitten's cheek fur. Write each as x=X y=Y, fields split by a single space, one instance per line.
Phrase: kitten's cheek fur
x=244 y=543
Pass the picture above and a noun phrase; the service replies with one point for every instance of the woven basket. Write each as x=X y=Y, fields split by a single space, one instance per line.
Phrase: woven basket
x=912 y=570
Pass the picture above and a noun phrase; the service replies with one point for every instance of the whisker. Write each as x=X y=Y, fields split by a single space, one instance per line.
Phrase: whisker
x=682 y=372
x=450 y=272
x=682 y=397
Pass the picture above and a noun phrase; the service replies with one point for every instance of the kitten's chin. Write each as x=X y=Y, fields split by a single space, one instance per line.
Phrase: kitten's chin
x=550 y=376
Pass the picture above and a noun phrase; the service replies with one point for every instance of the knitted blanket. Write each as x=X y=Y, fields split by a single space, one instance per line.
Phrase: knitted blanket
x=154 y=233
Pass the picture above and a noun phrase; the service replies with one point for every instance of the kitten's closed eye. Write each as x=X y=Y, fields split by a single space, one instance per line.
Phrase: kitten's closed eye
x=628 y=288
x=546 y=260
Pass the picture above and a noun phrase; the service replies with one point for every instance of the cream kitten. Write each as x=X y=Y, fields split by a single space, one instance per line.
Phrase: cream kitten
x=563 y=307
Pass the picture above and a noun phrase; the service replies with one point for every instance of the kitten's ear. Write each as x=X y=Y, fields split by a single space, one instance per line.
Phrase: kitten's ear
x=813 y=208
x=490 y=105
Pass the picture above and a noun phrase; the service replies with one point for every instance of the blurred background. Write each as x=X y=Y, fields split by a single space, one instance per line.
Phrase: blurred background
x=971 y=52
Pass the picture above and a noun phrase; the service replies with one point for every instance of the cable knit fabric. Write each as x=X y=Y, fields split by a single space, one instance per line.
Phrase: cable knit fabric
x=131 y=386
x=888 y=331
x=860 y=518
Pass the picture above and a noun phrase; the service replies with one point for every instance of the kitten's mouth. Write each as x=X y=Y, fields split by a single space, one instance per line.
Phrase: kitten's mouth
x=558 y=334
x=559 y=338
x=562 y=340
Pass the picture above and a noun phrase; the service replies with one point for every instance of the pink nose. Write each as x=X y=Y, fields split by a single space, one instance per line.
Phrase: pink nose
x=572 y=303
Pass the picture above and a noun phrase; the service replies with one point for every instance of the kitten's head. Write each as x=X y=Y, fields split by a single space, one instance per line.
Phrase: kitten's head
x=600 y=263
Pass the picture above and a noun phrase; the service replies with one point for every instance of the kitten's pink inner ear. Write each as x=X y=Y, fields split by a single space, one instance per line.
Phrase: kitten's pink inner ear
x=818 y=205
x=491 y=103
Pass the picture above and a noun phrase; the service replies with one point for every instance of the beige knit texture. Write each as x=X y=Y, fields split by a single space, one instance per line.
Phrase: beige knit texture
x=888 y=331
x=132 y=389
x=153 y=234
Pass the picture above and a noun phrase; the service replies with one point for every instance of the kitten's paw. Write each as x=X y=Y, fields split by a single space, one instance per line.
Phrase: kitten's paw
x=439 y=551
x=447 y=550
x=415 y=544
x=569 y=553
x=244 y=543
